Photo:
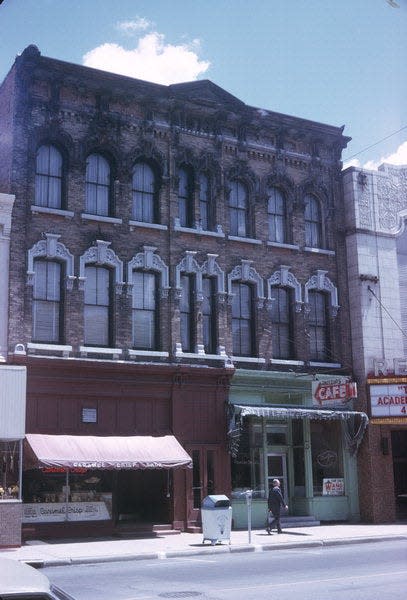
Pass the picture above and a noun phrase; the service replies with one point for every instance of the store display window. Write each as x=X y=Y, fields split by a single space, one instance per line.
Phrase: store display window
x=10 y=457
x=327 y=461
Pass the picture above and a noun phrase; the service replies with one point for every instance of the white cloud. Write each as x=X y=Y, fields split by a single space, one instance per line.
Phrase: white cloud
x=399 y=157
x=152 y=59
x=132 y=27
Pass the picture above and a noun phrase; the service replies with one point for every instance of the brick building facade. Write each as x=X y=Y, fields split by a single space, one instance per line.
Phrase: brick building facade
x=163 y=239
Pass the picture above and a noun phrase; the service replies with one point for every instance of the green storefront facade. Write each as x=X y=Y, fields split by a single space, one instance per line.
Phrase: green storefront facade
x=275 y=431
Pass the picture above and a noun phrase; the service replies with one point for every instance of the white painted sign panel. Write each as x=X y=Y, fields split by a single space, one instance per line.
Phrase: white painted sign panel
x=388 y=400
x=54 y=512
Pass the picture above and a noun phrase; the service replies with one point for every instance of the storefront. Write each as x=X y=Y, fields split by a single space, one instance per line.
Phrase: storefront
x=70 y=479
x=388 y=416
x=276 y=431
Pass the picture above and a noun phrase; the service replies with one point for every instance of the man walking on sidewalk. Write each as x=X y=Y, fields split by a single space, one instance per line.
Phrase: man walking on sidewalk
x=275 y=502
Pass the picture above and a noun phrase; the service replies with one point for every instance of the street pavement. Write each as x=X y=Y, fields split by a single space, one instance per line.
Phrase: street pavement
x=83 y=551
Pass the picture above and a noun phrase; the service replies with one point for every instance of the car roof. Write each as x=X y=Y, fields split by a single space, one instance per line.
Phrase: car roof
x=17 y=578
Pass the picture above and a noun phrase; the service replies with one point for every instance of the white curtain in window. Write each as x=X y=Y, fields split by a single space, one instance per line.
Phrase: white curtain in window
x=97 y=306
x=143 y=193
x=46 y=301
x=144 y=310
x=48 y=179
x=97 y=185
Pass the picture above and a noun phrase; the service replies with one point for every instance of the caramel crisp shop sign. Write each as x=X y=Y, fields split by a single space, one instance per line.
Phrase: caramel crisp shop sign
x=388 y=400
x=331 y=394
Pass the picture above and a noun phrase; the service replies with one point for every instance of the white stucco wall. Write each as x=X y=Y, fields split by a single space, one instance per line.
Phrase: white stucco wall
x=6 y=206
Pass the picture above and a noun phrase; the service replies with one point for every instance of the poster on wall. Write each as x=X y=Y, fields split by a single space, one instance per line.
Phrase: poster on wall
x=388 y=400
x=333 y=486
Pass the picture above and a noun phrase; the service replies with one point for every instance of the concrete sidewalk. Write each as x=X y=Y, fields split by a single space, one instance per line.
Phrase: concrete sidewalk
x=45 y=554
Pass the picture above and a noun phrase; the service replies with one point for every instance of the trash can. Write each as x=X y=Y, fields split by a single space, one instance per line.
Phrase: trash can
x=216 y=514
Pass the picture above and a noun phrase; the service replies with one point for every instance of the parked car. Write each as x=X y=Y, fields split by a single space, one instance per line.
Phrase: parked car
x=19 y=581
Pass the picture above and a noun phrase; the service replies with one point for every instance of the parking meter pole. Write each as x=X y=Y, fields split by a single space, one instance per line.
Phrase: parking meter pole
x=249 y=514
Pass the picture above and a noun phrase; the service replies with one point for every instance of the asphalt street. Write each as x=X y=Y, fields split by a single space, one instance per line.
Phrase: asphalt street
x=369 y=571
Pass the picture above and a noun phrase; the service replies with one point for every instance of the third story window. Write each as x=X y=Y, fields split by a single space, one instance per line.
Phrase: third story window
x=277 y=216
x=48 y=177
x=185 y=197
x=144 y=310
x=318 y=326
x=205 y=203
x=187 y=313
x=313 y=223
x=144 y=193
x=209 y=315
x=281 y=318
x=238 y=210
x=97 y=306
x=242 y=319
x=97 y=185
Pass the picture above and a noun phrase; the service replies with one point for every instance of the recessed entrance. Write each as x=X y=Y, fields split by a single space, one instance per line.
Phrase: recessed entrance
x=277 y=469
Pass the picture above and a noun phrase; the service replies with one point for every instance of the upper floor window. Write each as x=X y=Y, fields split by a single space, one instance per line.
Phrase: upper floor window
x=277 y=216
x=238 y=210
x=209 y=330
x=97 y=306
x=206 y=208
x=187 y=313
x=242 y=319
x=47 y=302
x=98 y=185
x=48 y=177
x=318 y=326
x=185 y=197
x=313 y=222
x=281 y=318
x=144 y=310
x=144 y=193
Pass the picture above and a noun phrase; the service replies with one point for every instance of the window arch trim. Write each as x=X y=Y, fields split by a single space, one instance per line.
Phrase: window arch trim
x=284 y=278
x=149 y=261
x=322 y=283
x=101 y=255
x=247 y=274
x=51 y=249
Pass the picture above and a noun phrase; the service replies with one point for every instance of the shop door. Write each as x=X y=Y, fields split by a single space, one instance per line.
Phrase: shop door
x=277 y=469
x=202 y=479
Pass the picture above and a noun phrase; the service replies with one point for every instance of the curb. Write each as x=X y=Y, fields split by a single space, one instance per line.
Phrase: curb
x=210 y=550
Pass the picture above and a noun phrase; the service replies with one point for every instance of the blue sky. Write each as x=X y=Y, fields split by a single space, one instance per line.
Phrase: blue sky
x=341 y=62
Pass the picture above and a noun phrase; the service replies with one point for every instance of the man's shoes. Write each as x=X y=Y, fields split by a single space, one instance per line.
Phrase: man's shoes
x=268 y=530
x=279 y=531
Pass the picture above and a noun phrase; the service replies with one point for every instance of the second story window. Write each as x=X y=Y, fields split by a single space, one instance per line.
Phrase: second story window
x=48 y=177
x=187 y=313
x=205 y=203
x=313 y=222
x=144 y=194
x=97 y=185
x=242 y=319
x=238 y=210
x=209 y=315
x=144 y=310
x=185 y=197
x=97 y=306
x=47 y=302
x=318 y=326
x=281 y=318
x=277 y=216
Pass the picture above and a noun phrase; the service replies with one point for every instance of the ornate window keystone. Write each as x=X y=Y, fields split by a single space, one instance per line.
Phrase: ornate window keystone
x=322 y=283
x=246 y=273
x=51 y=249
x=210 y=268
x=148 y=261
x=284 y=278
x=189 y=265
x=100 y=254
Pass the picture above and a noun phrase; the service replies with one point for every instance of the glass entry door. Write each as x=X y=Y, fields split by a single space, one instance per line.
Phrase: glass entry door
x=277 y=469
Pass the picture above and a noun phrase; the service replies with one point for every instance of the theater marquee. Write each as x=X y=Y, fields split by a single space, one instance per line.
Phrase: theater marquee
x=389 y=400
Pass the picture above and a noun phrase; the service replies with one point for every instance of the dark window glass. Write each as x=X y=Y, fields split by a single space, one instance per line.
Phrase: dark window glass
x=144 y=310
x=185 y=197
x=210 y=471
x=47 y=301
x=206 y=208
x=186 y=313
x=238 y=210
x=48 y=177
x=144 y=194
x=97 y=185
x=313 y=224
x=208 y=315
x=326 y=451
x=281 y=317
x=196 y=478
x=318 y=326
x=277 y=216
x=97 y=306
x=242 y=319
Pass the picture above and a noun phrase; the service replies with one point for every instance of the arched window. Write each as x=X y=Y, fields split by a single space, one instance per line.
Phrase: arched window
x=318 y=329
x=187 y=311
x=282 y=322
x=206 y=208
x=47 y=301
x=98 y=306
x=48 y=177
x=209 y=329
x=277 y=218
x=144 y=193
x=238 y=210
x=144 y=310
x=185 y=197
x=242 y=319
x=313 y=222
x=98 y=185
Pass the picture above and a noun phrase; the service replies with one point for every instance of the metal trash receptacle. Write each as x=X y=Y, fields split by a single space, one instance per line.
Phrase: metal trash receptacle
x=216 y=514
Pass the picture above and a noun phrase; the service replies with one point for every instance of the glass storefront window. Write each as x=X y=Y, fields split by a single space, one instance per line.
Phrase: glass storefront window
x=277 y=434
x=247 y=472
x=327 y=463
x=298 y=457
x=9 y=470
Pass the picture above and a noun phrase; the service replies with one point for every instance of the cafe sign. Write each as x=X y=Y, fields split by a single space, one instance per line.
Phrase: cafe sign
x=388 y=400
x=333 y=394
